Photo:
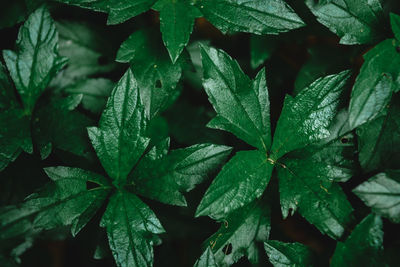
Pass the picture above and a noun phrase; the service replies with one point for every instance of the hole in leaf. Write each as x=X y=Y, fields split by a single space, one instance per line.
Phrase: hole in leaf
x=398 y=49
x=91 y=185
x=227 y=249
x=158 y=84
x=102 y=60
x=344 y=140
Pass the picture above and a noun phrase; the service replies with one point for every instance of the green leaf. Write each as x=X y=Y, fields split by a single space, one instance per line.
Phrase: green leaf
x=88 y=49
x=36 y=61
x=378 y=140
x=239 y=232
x=283 y=254
x=129 y=224
x=373 y=88
x=242 y=105
x=364 y=245
x=260 y=17
x=14 y=135
x=261 y=48
x=304 y=185
x=382 y=193
x=324 y=60
x=68 y=202
x=120 y=139
x=207 y=259
x=176 y=24
x=94 y=93
x=395 y=22
x=122 y=10
x=165 y=177
x=16 y=11
x=156 y=75
x=241 y=180
x=58 y=125
x=305 y=119
x=7 y=96
x=354 y=21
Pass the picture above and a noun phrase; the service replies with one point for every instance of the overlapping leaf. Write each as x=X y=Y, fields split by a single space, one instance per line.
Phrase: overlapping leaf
x=382 y=193
x=363 y=247
x=156 y=75
x=177 y=17
x=31 y=67
x=354 y=21
x=282 y=254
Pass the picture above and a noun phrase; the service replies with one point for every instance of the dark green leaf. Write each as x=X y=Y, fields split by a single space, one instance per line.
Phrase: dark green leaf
x=282 y=254
x=354 y=21
x=129 y=224
x=304 y=185
x=88 y=50
x=324 y=60
x=14 y=135
x=364 y=245
x=69 y=202
x=260 y=17
x=176 y=24
x=395 y=22
x=165 y=177
x=156 y=75
x=207 y=259
x=261 y=48
x=120 y=139
x=242 y=105
x=36 y=60
x=58 y=125
x=7 y=96
x=94 y=91
x=382 y=193
x=305 y=119
x=242 y=180
x=238 y=233
x=379 y=140
x=16 y=11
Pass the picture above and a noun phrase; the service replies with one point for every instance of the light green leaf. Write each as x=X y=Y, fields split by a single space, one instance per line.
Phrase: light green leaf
x=36 y=60
x=260 y=17
x=241 y=180
x=129 y=224
x=382 y=193
x=305 y=119
x=242 y=105
x=156 y=75
x=364 y=245
x=373 y=88
x=283 y=254
x=120 y=139
x=354 y=21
